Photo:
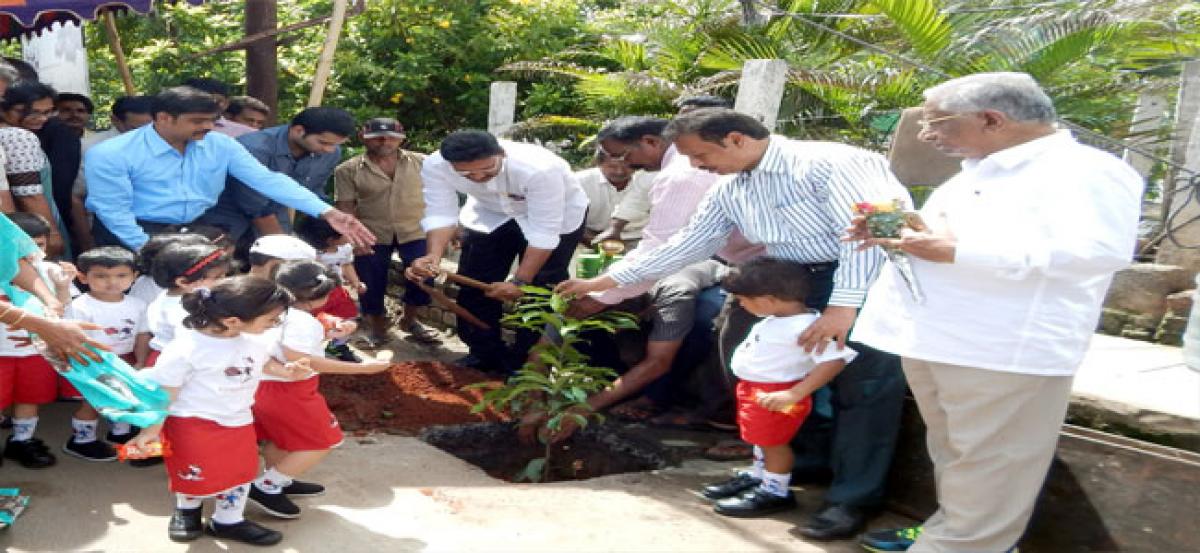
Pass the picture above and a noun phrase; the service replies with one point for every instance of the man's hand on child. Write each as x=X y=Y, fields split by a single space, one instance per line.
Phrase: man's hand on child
x=778 y=401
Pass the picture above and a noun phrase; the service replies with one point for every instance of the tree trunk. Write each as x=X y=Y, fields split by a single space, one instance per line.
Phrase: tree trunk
x=751 y=15
x=262 y=70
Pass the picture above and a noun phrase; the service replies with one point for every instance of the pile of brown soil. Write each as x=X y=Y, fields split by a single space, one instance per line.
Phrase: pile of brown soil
x=405 y=398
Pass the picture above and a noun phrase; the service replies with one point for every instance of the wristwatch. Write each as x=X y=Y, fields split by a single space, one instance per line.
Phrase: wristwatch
x=518 y=282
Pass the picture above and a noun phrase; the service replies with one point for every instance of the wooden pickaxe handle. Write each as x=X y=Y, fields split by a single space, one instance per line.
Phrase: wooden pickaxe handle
x=453 y=306
x=466 y=280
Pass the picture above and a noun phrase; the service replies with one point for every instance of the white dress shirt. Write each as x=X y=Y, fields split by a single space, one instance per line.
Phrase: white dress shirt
x=535 y=187
x=797 y=202
x=604 y=200
x=1040 y=229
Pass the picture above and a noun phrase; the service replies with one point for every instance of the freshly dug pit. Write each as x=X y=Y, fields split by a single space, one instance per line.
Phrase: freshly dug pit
x=598 y=450
x=406 y=398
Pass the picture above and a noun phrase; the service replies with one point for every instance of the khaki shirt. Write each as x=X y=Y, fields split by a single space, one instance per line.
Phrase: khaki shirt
x=390 y=207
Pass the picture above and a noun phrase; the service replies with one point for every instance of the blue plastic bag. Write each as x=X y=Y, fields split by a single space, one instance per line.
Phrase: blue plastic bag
x=119 y=392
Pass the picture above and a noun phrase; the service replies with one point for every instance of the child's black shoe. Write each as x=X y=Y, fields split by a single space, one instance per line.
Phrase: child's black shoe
x=31 y=453
x=185 y=525
x=245 y=532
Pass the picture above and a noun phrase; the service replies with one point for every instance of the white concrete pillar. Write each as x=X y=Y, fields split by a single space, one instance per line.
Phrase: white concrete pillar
x=502 y=106
x=760 y=91
x=1148 y=118
x=59 y=57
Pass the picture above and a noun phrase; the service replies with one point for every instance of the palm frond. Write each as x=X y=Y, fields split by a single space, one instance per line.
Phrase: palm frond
x=921 y=22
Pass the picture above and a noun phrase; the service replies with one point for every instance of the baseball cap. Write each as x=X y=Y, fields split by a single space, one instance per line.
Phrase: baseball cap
x=383 y=126
x=282 y=246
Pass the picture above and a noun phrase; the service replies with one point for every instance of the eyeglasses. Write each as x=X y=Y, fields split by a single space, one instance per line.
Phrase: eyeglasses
x=495 y=169
x=925 y=124
x=613 y=157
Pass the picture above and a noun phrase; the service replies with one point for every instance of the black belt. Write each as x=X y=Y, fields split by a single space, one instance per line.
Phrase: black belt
x=810 y=267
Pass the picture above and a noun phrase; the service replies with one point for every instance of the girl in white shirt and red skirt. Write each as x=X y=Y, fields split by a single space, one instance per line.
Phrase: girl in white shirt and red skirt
x=291 y=417
x=212 y=369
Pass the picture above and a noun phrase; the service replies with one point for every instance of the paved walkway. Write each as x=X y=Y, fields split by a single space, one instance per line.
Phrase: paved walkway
x=390 y=493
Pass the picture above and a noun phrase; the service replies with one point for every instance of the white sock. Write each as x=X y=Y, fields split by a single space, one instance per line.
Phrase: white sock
x=272 y=481
x=776 y=484
x=85 y=431
x=230 y=505
x=120 y=428
x=185 y=501
x=23 y=428
x=756 y=470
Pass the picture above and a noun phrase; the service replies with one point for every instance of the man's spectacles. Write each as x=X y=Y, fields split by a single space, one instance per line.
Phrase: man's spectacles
x=925 y=124
x=495 y=169
x=614 y=157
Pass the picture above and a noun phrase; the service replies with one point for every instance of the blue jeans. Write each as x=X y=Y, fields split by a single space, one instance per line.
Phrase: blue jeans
x=373 y=270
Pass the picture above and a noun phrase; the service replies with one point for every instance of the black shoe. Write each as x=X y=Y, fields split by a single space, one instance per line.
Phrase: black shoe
x=121 y=438
x=245 y=532
x=31 y=453
x=834 y=521
x=755 y=503
x=469 y=361
x=342 y=352
x=304 y=489
x=275 y=504
x=94 y=450
x=185 y=525
x=147 y=462
x=741 y=482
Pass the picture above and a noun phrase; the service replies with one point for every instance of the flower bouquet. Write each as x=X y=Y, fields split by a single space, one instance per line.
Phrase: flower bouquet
x=885 y=220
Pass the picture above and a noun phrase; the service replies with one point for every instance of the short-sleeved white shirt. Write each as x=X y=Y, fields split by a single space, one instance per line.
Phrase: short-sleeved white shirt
x=216 y=377
x=121 y=321
x=771 y=353
x=335 y=259
x=301 y=332
x=164 y=318
x=145 y=289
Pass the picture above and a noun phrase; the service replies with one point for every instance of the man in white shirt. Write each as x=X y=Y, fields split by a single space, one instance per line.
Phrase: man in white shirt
x=607 y=186
x=1019 y=251
x=522 y=201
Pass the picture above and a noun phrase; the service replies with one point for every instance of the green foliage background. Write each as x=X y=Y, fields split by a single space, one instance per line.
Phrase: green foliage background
x=580 y=62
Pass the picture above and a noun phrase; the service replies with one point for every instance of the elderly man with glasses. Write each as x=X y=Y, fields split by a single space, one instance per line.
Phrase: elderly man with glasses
x=1019 y=251
x=522 y=201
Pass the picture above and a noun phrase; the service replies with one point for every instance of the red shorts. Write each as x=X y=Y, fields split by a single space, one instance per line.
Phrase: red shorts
x=208 y=458
x=294 y=416
x=339 y=304
x=28 y=379
x=152 y=358
x=761 y=426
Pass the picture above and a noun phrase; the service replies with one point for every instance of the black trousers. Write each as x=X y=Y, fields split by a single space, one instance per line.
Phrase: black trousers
x=488 y=257
x=857 y=444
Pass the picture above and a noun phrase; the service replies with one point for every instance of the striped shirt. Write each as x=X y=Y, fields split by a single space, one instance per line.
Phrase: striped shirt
x=797 y=202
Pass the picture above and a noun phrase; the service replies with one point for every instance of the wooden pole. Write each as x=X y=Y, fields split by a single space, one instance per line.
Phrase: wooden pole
x=262 y=60
x=325 y=62
x=114 y=42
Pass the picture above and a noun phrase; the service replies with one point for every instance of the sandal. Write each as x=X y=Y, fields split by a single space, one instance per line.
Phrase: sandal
x=366 y=341
x=680 y=420
x=638 y=410
x=422 y=334
x=729 y=450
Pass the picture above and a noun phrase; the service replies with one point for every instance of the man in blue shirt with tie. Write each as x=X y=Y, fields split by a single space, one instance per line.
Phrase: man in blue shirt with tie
x=172 y=171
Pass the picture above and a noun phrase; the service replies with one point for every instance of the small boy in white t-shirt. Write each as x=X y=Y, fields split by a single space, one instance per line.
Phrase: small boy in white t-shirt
x=108 y=272
x=776 y=379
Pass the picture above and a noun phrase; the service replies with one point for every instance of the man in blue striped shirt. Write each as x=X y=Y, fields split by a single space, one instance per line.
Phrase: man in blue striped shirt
x=795 y=198
x=171 y=171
